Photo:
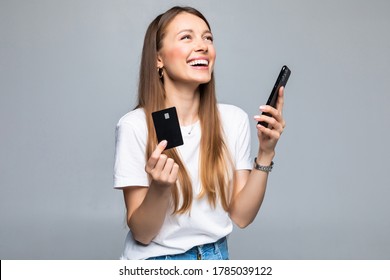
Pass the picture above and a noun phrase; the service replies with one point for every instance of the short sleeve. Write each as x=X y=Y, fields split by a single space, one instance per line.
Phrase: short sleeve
x=236 y=127
x=130 y=143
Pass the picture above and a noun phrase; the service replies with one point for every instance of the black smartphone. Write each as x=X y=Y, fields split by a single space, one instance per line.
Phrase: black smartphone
x=166 y=124
x=281 y=81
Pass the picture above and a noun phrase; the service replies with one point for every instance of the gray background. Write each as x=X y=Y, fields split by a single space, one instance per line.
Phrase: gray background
x=68 y=72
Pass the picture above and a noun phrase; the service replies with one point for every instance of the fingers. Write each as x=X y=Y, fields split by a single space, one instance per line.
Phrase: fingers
x=269 y=132
x=280 y=101
x=155 y=156
x=165 y=170
x=172 y=178
x=274 y=118
x=162 y=169
x=276 y=121
x=272 y=121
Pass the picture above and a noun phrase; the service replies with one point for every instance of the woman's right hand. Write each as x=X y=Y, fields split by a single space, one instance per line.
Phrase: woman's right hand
x=163 y=170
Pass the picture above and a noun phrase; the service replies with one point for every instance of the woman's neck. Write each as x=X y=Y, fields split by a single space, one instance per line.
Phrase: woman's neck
x=186 y=100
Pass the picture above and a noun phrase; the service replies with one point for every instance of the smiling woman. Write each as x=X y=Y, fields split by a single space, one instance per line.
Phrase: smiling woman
x=187 y=54
x=182 y=202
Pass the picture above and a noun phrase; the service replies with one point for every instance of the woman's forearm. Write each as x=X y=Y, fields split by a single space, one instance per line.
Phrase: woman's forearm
x=246 y=204
x=147 y=219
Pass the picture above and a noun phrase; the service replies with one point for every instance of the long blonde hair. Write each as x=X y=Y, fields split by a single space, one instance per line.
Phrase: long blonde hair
x=215 y=162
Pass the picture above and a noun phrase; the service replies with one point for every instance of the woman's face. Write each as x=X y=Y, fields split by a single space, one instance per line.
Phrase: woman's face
x=187 y=52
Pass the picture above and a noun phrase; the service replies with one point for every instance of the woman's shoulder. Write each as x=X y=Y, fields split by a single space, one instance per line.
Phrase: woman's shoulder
x=231 y=111
x=134 y=117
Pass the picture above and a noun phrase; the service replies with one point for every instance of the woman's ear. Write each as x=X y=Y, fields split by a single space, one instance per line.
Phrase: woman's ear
x=160 y=63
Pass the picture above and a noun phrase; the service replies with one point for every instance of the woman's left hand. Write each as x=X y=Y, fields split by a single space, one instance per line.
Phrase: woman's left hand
x=268 y=137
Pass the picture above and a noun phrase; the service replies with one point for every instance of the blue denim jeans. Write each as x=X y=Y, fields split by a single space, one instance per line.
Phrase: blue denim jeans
x=212 y=251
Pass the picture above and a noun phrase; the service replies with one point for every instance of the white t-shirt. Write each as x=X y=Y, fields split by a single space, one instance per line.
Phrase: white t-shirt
x=204 y=224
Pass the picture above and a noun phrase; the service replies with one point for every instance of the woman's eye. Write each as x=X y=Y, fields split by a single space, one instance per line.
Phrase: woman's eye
x=186 y=37
x=209 y=38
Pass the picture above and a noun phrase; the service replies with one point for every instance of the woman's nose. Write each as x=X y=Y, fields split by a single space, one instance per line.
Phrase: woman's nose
x=201 y=45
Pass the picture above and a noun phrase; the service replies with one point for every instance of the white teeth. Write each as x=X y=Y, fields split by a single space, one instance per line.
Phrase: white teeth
x=198 y=62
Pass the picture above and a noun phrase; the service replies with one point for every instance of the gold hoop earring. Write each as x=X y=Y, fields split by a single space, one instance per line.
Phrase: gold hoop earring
x=160 y=72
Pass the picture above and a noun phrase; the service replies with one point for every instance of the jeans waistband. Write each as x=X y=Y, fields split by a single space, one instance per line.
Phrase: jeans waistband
x=201 y=250
x=211 y=251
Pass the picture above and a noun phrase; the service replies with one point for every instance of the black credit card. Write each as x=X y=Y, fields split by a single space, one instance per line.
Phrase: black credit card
x=166 y=124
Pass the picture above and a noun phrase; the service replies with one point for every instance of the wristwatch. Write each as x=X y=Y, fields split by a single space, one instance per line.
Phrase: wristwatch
x=263 y=167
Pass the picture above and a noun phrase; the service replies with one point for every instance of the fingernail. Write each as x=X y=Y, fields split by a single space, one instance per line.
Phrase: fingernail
x=164 y=142
x=262 y=107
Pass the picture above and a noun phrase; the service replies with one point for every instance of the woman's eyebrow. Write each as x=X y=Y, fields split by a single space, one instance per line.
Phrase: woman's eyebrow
x=185 y=31
x=192 y=31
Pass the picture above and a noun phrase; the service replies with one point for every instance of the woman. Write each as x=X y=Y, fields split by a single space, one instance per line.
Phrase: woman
x=181 y=202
